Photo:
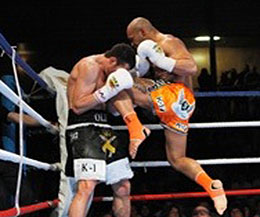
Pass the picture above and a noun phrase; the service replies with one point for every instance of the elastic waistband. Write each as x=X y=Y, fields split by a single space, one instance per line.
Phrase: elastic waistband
x=157 y=84
x=74 y=126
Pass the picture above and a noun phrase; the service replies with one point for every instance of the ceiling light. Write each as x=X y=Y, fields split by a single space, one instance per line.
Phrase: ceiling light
x=206 y=38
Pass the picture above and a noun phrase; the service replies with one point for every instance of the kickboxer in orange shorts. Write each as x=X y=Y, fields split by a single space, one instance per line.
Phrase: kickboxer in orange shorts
x=173 y=102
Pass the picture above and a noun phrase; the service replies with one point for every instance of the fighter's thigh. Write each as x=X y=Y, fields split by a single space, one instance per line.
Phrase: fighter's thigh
x=176 y=144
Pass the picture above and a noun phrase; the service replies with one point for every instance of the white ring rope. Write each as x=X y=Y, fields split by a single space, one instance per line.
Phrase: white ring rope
x=225 y=124
x=21 y=146
x=202 y=162
x=7 y=92
x=8 y=156
x=203 y=125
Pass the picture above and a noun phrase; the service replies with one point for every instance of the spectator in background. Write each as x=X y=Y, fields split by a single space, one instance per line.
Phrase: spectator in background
x=240 y=82
x=236 y=210
x=107 y=214
x=135 y=211
x=145 y=211
x=9 y=138
x=247 y=210
x=256 y=209
x=202 y=210
x=257 y=206
x=8 y=170
x=233 y=76
x=204 y=80
x=256 y=215
x=252 y=79
x=173 y=211
x=10 y=130
x=228 y=79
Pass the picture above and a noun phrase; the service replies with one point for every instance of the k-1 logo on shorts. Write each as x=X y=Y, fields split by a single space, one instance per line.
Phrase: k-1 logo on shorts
x=160 y=103
x=86 y=167
x=90 y=169
x=181 y=107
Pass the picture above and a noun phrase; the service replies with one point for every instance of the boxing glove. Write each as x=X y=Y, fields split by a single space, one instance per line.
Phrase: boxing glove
x=151 y=50
x=142 y=66
x=117 y=81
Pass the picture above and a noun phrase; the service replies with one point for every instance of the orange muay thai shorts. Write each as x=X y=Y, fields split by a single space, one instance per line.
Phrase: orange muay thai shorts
x=174 y=104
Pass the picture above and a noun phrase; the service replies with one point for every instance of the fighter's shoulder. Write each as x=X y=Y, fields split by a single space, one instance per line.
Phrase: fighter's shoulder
x=172 y=39
x=88 y=62
x=87 y=65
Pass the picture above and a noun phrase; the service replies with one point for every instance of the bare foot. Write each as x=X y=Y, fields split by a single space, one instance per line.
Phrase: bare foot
x=135 y=143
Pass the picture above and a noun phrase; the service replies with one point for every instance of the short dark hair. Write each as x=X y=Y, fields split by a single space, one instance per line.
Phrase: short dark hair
x=124 y=54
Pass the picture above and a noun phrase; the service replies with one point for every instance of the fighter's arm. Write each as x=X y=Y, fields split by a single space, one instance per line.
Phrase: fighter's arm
x=116 y=82
x=27 y=120
x=81 y=96
x=172 y=56
x=184 y=63
x=14 y=117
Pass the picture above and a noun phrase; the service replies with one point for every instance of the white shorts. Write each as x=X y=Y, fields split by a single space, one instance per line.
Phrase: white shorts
x=93 y=169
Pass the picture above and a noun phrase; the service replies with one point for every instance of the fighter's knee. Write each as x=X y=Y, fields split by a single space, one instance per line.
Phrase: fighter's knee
x=177 y=162
x=85 y=188
x=122 y=189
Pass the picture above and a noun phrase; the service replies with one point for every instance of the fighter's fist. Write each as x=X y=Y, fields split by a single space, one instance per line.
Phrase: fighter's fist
x=142 y=66
x=151 y=50
x=117 y=81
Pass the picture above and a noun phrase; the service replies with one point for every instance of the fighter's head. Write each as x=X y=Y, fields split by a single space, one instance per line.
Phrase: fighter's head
x=139 y=29
x=120 y=56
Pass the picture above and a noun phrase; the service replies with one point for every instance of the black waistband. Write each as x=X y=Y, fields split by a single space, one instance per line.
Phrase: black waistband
x=157 y=84
x=91 y=116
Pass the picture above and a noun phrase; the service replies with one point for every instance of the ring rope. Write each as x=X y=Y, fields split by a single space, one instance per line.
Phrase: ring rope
x=9 y=156
x=202 y=125
x=227 y=94
x=7 y=92
x=29 y=208
x=21 y=146
x=202 y=162
x=9 y=51
x=147 y=197
x=180 y=195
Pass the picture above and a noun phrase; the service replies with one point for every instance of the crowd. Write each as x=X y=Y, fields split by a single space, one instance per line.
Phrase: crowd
x=200 y=208
x=247 y=79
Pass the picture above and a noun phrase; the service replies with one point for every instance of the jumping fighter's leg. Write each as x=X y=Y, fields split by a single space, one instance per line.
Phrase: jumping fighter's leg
x=176 y=154
x=137 y=132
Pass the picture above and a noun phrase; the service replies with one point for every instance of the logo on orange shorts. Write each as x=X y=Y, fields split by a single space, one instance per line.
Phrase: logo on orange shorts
x=181 y=107
x=181 y=127
x=160 y=103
